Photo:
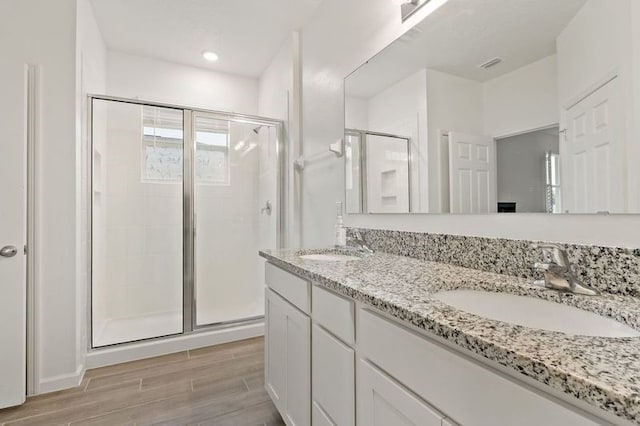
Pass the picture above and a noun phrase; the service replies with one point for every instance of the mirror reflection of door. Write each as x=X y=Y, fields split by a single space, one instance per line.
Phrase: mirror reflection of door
x=472 y=173
x=593 y=152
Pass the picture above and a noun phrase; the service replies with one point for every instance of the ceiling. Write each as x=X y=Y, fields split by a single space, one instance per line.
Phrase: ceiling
x=246 y=34
x=463 y=34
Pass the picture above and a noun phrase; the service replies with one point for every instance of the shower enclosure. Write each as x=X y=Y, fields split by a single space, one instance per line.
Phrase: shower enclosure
x=182 y=199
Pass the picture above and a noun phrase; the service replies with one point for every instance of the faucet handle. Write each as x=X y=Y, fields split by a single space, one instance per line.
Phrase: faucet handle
x=554 y=253
x=538 y=266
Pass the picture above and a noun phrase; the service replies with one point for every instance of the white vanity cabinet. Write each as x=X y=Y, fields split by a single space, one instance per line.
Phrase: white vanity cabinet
x=333 y=362
x=288 y=348
x=462 y=389
x=333 y=358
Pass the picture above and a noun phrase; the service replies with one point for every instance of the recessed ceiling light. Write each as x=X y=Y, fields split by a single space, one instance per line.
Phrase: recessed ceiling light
x=210 y=56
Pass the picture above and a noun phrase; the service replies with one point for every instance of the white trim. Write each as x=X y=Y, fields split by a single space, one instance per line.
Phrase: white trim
x=611 y=75
x=135 y=351
x=33 y=128
x=524 y=132
x=63 y=381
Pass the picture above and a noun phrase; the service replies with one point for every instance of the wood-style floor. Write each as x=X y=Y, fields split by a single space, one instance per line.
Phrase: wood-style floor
x=217 y=385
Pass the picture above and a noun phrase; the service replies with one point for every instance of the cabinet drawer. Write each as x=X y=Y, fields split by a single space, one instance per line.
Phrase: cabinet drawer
x=382 y=401
x=456 y=385
x=293 y=288
x=334 y=312
x=333 y=376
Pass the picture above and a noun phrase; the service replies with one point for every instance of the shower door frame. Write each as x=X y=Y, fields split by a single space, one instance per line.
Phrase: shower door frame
x=189 y=323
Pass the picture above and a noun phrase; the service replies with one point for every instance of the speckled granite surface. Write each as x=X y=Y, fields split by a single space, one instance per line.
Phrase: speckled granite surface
x=608 y=269
x=604 y=372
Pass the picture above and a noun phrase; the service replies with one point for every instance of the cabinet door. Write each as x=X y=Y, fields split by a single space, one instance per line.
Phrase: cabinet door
x=275 y=374
x=382 y=402
x=287 y=364
x=319 y=417
x=333 y=377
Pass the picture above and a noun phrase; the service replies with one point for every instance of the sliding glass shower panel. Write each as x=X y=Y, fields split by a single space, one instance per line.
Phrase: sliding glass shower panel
x=137 y=230
x=235 y=211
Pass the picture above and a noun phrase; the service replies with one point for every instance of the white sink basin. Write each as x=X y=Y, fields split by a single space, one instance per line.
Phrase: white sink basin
x=535 y=313
x=329 y=257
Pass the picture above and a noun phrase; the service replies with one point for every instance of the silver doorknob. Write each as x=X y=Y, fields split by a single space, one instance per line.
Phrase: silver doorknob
x=8 y=251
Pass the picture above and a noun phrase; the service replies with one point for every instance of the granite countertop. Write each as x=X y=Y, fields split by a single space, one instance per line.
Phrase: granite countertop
x=602 y=371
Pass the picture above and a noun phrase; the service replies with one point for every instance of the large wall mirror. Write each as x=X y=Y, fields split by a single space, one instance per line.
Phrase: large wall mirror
x=500 y=106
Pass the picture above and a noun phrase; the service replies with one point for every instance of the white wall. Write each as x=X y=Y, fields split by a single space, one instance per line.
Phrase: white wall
x=276 y=83
x=524 y=99
x=596 y=43
x=43 y=33
x=132 y=76
x=279 y=98
x=359 y=29
x=454 y=104
x=356 y=114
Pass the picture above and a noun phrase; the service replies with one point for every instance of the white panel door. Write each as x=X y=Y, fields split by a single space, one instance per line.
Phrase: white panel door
x=592 y=154
x=12 y=234
x=472 y=173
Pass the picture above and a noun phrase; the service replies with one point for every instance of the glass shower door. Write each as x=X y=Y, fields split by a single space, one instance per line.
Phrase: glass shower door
x=182 y=200
x=137 y=222
x=235 y=216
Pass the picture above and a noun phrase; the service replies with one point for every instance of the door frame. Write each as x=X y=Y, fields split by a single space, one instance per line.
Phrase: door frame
x=33 y=125
x=188 y=283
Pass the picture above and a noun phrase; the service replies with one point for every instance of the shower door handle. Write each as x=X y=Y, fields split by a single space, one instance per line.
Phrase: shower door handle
x=266 y=209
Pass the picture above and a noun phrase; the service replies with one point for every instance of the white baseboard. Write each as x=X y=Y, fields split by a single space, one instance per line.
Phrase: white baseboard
x=63 y=381
x=134 y=351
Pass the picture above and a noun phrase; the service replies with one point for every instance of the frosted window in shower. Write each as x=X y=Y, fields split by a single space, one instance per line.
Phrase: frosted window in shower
x=212 y=152
x=161 y=145
x=163 y=152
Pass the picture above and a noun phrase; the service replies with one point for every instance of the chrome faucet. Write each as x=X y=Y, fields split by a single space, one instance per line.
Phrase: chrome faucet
x=358 y=242
x=558 y=274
